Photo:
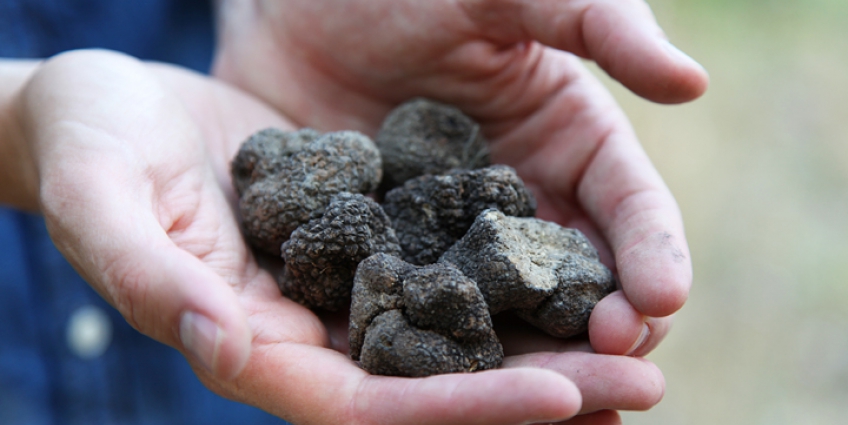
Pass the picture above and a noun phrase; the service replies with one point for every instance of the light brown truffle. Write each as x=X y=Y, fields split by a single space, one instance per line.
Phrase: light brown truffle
x=549 y=274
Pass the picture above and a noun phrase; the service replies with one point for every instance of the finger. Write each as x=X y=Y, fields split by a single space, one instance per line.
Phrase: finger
x=519 y=337
x=306 y=384
x=604 y=381
x=616 y=327
x=532 y=395
x=182 y=302
x=621 y=36
x=603 y=417
x=624 y=194
x=594 y=160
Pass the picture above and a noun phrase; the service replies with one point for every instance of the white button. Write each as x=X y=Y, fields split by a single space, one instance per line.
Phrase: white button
x=89 y=332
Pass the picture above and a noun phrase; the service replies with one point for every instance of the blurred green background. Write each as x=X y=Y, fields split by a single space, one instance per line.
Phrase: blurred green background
x=759 y=166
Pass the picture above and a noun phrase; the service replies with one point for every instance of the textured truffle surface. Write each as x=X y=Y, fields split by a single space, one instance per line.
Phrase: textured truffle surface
x=264 y=153
x=582 y=283
x=322 y=255
x=426 y=137
x=549 y=274
x=273 y=207
x=430 y=213
x=419 y=321
x=377 y=288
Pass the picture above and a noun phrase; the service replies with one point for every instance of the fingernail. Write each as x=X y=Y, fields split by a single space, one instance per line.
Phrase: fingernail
x=202 y=338
x=643 y=337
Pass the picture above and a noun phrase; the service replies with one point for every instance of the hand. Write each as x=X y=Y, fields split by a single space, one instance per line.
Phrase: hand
x=131 y=166
x=514 y=66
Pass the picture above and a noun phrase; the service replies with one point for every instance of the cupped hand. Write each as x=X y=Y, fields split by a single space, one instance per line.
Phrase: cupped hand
x=131 y=165
x=515 y=66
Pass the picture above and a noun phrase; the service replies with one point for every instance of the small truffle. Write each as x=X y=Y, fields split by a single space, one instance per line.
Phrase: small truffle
x=419 y=321
x=430 y=213
x=265 y=152
x=426 y=137
x=549 y=274
x=322 y=255
x=273 y=207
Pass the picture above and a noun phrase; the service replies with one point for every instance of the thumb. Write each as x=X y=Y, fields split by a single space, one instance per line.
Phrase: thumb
x=197 y=311
x=165 y=292
x=621 y=36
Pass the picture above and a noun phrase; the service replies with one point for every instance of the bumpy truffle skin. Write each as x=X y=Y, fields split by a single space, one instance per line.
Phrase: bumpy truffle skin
x=322 y=255
x=394 y=347
x=426 y=137
x=272 y=208
x=430 y=213
x=377 y=288
x=264 y=153
x=443 y=299
x=419 y=321
x=550 y=274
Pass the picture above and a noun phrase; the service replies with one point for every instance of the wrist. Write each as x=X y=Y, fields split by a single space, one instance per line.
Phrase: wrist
x=18 y=177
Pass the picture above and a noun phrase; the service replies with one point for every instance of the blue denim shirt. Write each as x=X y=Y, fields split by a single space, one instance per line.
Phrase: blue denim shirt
x=44 y=377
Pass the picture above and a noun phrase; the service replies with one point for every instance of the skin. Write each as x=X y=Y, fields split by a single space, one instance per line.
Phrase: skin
x=128 y=162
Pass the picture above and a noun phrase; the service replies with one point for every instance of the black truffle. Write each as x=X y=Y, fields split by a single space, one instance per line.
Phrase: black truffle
x=430 y=213
x=273 y=207
x=322 y=255
x=264 y=153
x=426 y=137
x=549 y=274
x=419 y=321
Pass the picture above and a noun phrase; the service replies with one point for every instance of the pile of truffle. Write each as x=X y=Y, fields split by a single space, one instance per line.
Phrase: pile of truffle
x=453 y=242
